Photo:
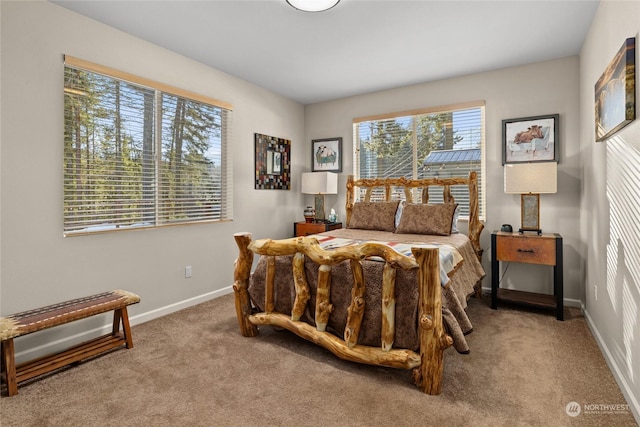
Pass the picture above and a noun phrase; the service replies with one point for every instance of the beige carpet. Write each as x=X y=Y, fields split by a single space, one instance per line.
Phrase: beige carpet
x=193 y=368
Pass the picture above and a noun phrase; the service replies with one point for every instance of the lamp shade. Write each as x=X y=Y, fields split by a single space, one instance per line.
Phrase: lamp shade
x=538 y=178
x=319 y=183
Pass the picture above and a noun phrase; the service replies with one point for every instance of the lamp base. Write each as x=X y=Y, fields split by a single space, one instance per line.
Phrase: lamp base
x=522 y=230
x=319 y=201
x=530 y=212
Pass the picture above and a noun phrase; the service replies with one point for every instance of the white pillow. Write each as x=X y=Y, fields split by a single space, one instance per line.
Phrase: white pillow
x=454 y=223
x=399 y=213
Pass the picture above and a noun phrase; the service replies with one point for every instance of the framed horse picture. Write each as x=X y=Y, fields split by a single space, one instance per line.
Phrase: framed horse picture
x=326 y=155
x=530 y=139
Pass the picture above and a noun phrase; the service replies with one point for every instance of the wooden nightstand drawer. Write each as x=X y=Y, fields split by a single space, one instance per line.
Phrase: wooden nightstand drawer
x=527 y=249
x=307 y=228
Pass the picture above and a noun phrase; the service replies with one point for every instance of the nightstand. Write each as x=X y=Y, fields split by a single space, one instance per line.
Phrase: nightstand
x=543 y=249
x=305 y=228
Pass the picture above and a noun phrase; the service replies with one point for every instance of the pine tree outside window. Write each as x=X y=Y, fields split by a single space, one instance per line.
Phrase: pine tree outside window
x=141 y=154
x=437 y=142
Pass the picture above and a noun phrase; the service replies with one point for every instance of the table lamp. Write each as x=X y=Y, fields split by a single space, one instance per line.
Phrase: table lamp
x=319 y=184
x=530 y=180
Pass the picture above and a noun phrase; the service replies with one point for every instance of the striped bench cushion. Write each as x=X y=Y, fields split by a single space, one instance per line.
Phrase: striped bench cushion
x=30 y=321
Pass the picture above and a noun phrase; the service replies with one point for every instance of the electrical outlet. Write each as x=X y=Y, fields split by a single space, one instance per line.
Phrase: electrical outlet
x=187 y=272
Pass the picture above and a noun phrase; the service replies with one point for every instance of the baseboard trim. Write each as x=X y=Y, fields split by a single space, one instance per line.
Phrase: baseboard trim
x=181 y=305
x=57 y=345
x=568 y=302
x=613 y=367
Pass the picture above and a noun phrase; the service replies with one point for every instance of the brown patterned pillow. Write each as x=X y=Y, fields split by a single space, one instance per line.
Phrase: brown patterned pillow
x=374 y=216
x=427 y=219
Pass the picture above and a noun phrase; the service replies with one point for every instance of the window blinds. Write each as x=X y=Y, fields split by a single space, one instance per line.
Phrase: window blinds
x=141 y=154
x=437 y=142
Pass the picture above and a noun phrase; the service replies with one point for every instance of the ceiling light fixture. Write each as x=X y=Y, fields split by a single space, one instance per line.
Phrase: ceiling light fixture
x=313 y=5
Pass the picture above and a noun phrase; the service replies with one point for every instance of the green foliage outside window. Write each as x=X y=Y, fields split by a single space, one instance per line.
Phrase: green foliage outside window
x=137 y=157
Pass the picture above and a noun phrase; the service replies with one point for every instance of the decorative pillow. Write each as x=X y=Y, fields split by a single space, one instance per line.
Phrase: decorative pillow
x=454 y=223
x=374 y=216
x=427 y=219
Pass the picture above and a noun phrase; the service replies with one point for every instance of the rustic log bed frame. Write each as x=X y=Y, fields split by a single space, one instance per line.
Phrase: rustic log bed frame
x=428 y=364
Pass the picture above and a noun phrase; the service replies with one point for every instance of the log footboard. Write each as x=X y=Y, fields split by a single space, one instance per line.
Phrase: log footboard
x=241 y=274
x=427 y=365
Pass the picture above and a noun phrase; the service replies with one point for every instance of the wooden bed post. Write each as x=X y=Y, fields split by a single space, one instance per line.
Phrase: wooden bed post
x=433 y=339
x=241 y=274
x=350 y=199
x=475 y=226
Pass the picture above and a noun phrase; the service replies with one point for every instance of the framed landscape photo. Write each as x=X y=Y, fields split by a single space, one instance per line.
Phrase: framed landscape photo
x=615 y=92
x=530 y=139
x=326 y=155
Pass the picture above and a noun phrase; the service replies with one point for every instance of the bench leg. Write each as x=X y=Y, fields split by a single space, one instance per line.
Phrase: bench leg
x=119 y=315
x=9 y=366
x=116 y=322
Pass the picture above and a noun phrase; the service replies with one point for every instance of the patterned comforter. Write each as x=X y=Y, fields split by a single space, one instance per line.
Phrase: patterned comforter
x=460 y=271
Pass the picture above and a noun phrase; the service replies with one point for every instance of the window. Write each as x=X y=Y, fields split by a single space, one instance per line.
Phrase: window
x=436 y=142
x=141 y=154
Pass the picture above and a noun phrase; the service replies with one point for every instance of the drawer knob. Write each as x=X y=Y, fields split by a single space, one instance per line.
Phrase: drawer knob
x=529 y=251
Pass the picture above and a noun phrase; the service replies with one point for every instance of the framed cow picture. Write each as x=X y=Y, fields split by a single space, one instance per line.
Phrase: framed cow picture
x=326 y=155
x=530 y=139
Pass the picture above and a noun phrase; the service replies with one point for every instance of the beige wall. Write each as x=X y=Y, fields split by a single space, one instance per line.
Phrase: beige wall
x=592 y=210
x=39 y=266
x=542 y=88
x=610 y=214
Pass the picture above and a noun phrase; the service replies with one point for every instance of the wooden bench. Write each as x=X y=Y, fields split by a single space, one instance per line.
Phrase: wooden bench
x=26 y=322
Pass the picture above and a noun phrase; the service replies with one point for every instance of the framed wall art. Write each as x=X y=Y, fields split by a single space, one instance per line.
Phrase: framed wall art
x=326 y=155
x=272 y=161
x=615 y=92
x=530 y=139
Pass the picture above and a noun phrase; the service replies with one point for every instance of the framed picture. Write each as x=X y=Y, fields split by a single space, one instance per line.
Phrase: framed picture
x=615 y=92
x=272 y=161
x=326 y=155
x=530 y=139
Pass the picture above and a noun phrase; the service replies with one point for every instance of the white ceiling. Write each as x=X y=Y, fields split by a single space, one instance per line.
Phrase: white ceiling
x=358 y=46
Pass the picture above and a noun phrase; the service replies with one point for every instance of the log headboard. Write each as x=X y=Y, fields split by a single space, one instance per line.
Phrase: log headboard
x=407 y=185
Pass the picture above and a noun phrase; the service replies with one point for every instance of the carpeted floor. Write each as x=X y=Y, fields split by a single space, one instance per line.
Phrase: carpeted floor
x=193 y=368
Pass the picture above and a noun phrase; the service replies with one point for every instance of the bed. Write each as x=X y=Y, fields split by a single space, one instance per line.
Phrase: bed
x=390 y=289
